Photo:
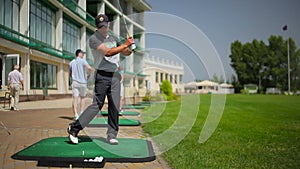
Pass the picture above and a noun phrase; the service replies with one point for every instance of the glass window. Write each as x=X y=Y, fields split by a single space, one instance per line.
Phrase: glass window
x=175 y=79
x=42 y=75
x=42 y=23
x=10 y=62
x=161 y=77
x=180 y=78
x=71 y=36
x=9 y=13
x=156 y=77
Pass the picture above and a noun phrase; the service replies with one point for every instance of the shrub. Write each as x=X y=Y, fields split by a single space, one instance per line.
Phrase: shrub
x=166 y=88
x=147 y=97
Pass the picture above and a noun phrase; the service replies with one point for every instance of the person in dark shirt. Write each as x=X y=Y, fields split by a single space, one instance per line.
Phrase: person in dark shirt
x=105 y=48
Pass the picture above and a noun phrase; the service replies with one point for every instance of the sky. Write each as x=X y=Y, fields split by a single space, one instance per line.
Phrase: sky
x=215 y=24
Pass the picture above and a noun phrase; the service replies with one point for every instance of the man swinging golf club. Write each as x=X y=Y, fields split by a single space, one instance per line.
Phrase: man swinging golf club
x=104 y=48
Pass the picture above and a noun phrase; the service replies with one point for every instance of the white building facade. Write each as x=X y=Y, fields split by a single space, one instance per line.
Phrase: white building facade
x=42 y=36
x=159 y=69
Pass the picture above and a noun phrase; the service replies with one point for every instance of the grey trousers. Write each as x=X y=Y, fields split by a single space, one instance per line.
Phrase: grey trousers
x=104 y=86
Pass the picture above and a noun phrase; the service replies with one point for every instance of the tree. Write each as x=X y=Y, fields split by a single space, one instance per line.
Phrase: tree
x=248 y=60
x=218 y=79
x=237 y=86
x=266 y=65
x=277 y=62
x=294 y=66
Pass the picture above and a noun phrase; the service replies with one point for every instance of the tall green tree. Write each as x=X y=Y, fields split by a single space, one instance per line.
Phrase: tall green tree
x=277 y=62
x=294 y=65
x=248 y=60
x=218 y=79
x=266 y=65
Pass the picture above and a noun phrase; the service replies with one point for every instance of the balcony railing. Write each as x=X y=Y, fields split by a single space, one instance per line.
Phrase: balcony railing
x=73 y=6
x=32 y=43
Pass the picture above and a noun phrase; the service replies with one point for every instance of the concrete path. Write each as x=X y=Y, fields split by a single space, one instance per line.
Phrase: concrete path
x=49 y=118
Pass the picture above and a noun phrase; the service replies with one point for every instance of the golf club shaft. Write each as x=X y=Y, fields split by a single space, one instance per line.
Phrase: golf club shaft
x=121 y=10
x=132 y=47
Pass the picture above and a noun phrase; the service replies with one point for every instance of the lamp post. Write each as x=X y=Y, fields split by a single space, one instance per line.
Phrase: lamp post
x=288 y=55
x=289 y=72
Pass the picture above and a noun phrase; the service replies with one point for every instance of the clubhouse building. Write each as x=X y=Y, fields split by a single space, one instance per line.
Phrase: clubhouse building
x=43 y=35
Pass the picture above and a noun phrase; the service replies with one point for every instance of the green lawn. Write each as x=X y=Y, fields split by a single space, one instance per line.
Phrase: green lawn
x=255 y=131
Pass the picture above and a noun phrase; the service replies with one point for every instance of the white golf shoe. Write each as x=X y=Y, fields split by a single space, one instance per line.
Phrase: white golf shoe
x=72 y=136
x=113 y=141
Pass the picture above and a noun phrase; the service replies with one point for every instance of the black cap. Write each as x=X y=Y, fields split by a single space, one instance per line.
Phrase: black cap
x=79 y=51
x=101 y=20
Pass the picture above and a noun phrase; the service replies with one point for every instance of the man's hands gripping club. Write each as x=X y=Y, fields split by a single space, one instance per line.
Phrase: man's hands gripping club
x=129 y=42
x=132 y=44
x=124 y=48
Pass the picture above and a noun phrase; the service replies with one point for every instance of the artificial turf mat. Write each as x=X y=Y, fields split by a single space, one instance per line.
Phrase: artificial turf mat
x=133 y=106
x=123 y=113
x=146 y=103
x=58 y=151
x=102 y=122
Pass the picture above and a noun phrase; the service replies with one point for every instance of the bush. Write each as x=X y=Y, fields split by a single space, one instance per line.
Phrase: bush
x=147 y=97
x=166 y=88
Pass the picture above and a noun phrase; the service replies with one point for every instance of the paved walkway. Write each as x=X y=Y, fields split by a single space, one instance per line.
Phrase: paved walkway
x=49 y=118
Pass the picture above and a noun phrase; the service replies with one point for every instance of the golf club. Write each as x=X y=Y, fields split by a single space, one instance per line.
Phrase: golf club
x=133 y=46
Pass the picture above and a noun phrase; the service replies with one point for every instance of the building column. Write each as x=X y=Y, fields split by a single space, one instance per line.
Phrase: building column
x=129 y=12
x=24 y=17
x=116 y=27
x=82 y=4
x=62 y=79
x=24 y=29
x=59 y=46
x=101 y=8
x=130 y=60
x=59 y=30
x=27 y=74
x=83 y=39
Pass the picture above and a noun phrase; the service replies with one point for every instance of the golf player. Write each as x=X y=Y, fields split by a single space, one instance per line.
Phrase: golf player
x=78 y=67
x=105 y=48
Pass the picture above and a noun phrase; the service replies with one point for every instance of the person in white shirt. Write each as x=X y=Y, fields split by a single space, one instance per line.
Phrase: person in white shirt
x=15 y=83
x=78 y=67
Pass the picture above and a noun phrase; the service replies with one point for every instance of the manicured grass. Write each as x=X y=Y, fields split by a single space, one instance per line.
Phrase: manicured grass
x=256 y=131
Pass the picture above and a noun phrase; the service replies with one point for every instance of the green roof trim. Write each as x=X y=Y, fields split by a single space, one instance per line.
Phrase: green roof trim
x=71 y=5
x=32 y=43
x=135 y=74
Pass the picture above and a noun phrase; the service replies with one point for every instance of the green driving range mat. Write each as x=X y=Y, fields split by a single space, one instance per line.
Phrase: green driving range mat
x=102 y=122
x=89 y=152
x=123 y=113
x=145 y=103
x=129 y=106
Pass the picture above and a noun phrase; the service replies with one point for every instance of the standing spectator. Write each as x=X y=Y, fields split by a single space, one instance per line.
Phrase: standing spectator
x=78 y=74
x=15 y=83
